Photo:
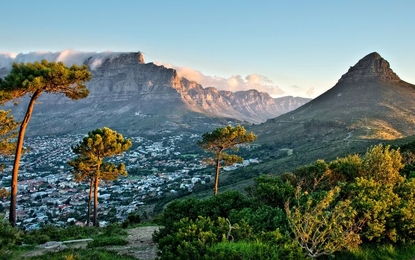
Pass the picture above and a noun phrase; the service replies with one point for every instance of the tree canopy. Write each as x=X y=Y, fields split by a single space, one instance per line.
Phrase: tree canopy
x=90 y=166
x=221 y=139
x=7 y=143
x=7 y=133
x=33 y=79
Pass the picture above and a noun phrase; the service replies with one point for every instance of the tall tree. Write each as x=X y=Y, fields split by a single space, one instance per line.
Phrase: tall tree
x=92 y=150
x=83 y=171
x=7 y=143
x=221 y=139
x=33 y=79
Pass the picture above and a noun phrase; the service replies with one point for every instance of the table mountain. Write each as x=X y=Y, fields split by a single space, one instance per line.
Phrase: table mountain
x=132 y=96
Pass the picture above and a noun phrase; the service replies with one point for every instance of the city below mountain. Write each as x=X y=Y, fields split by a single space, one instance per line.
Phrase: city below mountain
x=133 y=97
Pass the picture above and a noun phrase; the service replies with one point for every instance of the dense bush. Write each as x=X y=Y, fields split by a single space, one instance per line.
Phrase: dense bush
x=373 y=201
x=214 y=207
x=114 y=229
x=271 y=245
x=53 y=233
x=271 y=190
x=262 y=219
x=9 y=238
x=132 y=219
x=193 y=228
x=190 y=239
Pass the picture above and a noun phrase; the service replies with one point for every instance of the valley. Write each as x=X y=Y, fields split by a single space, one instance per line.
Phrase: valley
x=158 y=168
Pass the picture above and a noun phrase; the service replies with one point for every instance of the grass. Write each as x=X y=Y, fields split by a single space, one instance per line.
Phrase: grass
x=381 y=252
x=82 y=254
x=110 y=235
x=244 y=250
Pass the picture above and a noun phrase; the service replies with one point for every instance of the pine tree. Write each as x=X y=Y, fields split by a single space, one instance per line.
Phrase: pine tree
x=221 y=139
x=90 y=165
x=34 y=79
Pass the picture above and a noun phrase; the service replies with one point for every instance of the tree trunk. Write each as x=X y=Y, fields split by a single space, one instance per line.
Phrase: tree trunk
x=18 y=154
x=215 y=190
x=96 y=224
x=88 y=218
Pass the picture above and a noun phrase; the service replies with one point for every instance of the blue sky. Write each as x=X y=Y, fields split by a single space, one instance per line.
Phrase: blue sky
x=298 y=48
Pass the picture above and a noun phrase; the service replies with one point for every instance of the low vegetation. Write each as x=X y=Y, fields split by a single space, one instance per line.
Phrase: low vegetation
x=344 y=207
x=354 y=207
x=15 y=242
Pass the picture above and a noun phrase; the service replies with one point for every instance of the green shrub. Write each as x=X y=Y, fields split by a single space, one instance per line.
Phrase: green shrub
x=287 y=247
x=10 y=237
x=257 y=250
x=53 y=233
x=264 y=218
x=190 y=239
x=242 y=250
x=82 y=254
x=214 y=207
x=114 y=229
x=271 y=190
x=132 y=219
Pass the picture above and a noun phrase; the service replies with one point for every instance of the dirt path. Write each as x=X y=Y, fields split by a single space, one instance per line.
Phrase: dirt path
x=140 y=245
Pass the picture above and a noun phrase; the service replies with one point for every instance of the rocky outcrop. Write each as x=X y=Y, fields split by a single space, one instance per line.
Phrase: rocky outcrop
x=372 y=66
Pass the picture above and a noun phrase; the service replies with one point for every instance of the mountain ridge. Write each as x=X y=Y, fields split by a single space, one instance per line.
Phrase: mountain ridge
x=125 y=88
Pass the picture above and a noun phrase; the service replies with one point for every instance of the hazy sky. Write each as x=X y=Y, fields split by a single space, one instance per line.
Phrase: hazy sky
x=298 y=48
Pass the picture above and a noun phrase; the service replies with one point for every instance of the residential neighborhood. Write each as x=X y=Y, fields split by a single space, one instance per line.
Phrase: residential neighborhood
x=48 y=194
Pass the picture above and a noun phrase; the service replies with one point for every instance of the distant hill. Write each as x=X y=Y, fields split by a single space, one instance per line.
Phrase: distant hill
x=368 y=105
x=134 y=97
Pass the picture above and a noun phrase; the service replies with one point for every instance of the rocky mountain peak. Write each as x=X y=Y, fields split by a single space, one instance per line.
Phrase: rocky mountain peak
x=141 y=58
x=369 y=67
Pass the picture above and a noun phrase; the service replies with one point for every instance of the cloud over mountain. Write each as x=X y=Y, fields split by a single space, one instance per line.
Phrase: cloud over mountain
x=69 y=57
x=233 y=83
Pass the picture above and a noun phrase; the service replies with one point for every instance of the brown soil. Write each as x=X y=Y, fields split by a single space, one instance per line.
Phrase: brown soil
x=140 y=245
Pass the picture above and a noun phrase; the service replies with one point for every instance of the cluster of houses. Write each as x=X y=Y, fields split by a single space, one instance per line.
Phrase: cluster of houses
x=47 y=192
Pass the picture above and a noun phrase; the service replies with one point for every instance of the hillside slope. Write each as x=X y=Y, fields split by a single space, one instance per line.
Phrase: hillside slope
x=368 y=105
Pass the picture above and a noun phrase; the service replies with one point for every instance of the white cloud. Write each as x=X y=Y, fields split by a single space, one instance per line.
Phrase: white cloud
x=6 y=59
x=310 y=92
x=233 y=83
x=69 y=57
x=301 y=91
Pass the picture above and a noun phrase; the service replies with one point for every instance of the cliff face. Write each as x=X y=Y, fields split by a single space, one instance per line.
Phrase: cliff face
x=124 y=91
x=251 y=105
x=370 y=67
